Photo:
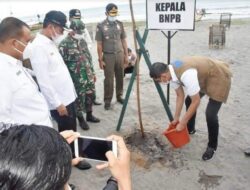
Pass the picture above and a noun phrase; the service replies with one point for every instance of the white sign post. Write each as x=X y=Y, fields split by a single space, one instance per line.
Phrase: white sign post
x=170 y=14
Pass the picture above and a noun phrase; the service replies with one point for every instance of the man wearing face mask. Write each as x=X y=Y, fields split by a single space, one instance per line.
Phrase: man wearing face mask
x=198 y=76
x=20 y=100
x=78 y=59
x=112 y=54
x=76 y=14
x=53 y=76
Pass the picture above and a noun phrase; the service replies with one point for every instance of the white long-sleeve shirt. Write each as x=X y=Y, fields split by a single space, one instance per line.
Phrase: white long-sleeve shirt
x=20 y=100
x=51 y=72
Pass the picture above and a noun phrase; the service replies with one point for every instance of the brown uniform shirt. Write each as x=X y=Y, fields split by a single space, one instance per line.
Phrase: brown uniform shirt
x=214 y=76
x=111 y=35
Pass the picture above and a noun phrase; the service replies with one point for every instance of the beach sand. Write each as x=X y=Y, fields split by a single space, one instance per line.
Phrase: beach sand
x=184 y=170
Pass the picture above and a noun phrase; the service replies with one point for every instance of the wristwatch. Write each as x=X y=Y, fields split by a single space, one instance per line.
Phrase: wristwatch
x=111 y=184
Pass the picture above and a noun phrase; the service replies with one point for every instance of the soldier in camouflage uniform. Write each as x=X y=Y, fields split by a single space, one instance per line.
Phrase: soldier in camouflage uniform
x=76 y=14
x=78 y=59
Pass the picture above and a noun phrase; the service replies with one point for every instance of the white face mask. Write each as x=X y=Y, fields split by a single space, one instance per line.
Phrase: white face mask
x=78 y=36
x=23 y=44
x=165 y=83
x=55 y=36
x=112 y=18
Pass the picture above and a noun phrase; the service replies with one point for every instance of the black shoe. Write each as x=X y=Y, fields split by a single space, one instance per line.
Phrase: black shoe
x=107 y=106
x=192 y=132
x=247 y=152
x=97 y=103
x=92 y=118
x=83 y=165
x=120 y=100
x=73 y=187
x=208 y=154
x=83 y=124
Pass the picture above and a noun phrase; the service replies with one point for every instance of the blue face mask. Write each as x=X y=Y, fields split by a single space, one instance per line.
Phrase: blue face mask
x=112 y=18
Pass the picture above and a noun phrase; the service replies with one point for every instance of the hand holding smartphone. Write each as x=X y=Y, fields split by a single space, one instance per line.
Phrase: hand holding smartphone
x=93 y=148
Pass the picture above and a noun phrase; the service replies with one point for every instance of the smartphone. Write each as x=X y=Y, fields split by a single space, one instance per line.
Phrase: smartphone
x=93 y=148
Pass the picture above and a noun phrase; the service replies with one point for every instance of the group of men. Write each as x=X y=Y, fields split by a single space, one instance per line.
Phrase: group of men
x=64 y=73
x=66 y=78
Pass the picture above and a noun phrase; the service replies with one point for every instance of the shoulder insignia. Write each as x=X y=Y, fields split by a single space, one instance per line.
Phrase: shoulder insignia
x=177 y=63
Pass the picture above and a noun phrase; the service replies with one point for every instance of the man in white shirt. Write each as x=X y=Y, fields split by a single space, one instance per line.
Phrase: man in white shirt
x=20 y=100
x=53 y=76
x=198 y=76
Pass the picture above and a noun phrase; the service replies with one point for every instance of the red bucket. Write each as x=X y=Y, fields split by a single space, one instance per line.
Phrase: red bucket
x=177 y=138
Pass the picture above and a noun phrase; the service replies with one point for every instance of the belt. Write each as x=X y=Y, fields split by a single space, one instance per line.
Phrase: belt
x=116 y=52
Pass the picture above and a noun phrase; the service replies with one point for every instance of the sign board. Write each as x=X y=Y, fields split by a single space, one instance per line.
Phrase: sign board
x=171 y=14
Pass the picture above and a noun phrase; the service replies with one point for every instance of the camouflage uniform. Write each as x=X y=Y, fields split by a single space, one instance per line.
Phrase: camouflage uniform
x=78 y=59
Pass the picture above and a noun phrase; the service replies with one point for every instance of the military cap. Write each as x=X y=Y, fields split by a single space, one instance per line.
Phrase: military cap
x=75 y=13
x=77 y=25
x=112 y=9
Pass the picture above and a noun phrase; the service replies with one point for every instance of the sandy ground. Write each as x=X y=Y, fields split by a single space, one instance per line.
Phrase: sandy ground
x=229 y=169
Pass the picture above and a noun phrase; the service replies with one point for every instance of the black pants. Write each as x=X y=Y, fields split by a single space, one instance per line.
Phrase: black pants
x=212 y=110
x=66 y=122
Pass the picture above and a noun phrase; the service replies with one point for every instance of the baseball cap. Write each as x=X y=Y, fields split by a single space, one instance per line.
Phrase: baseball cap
x=56 y=17
x=112 y=9
x=77 y=25
x=74 y=13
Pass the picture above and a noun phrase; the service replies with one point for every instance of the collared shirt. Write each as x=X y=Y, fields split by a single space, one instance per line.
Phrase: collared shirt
x=51 y=72
x=189 y=81
x=20 y=100
x=111 y=35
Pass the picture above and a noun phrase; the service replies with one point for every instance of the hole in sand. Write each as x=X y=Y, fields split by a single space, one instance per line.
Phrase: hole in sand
x=154 y=148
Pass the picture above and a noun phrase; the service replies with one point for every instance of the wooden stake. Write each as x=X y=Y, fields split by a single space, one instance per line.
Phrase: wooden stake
x=137 y=69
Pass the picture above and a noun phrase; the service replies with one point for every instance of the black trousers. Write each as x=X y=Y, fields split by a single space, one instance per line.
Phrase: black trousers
x=212 y=110
x=66 y=122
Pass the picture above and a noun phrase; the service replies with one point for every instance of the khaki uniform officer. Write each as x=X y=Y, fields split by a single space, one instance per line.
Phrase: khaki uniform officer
x=199 y=76
x=112 y=53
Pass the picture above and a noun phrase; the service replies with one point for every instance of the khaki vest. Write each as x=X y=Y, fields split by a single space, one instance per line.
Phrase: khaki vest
x=214 y=76
x=112 y=35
